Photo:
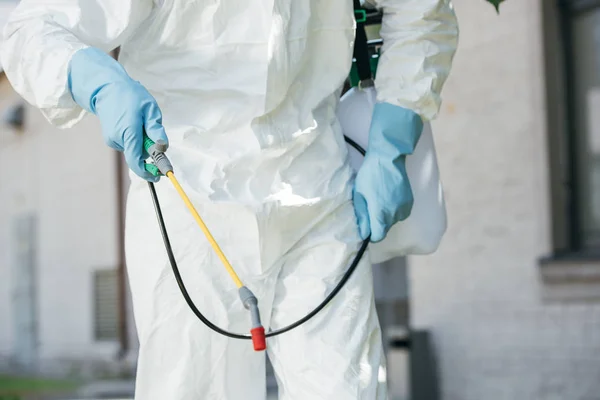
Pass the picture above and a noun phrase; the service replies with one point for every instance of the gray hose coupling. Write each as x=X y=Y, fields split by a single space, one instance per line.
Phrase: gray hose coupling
x=257 y=332
x=160 y=159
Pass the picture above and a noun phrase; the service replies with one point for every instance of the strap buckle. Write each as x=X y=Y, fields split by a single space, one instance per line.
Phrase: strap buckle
x=366 y=83
x=360 y=15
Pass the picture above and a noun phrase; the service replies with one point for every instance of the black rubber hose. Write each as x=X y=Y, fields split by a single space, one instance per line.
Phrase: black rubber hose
x=356 y=146
x=214 y=327
x=206 y=321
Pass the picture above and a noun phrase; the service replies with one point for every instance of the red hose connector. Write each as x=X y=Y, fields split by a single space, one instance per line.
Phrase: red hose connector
x=258 y=338
x=257 y=332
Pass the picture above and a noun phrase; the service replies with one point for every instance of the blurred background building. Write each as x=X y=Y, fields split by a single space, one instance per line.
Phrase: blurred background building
x=512 y=296
x=510 y=303
x=60 y=242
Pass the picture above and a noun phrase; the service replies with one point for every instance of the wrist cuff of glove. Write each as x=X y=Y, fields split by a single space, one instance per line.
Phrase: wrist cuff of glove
x=395 y=128
x=91 y=69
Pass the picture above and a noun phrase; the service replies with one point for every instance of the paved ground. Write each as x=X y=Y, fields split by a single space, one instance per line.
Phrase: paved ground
x=269 y=397
x=122 y=390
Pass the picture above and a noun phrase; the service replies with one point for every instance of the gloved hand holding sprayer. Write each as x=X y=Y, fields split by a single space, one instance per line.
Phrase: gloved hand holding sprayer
x=249 y=129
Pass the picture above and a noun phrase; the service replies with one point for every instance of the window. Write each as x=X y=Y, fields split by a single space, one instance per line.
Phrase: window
x=584 y=90
x=24 y=289
x=572 y=81
x=578 y=147
x=105 y=305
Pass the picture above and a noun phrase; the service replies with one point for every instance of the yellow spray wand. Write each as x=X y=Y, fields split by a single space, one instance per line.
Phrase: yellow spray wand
x=162 y=166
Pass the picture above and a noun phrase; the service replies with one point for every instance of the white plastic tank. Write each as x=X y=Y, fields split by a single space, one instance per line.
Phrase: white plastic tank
x=422 y=231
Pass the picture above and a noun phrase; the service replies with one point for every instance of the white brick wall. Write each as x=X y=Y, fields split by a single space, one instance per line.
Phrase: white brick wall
x=480 y=294
x=66 y=178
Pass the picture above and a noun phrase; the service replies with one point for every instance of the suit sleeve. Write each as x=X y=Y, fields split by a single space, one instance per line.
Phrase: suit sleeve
x=41 y=36
x=420 y=39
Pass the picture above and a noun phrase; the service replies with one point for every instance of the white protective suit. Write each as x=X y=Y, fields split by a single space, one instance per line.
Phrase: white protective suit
x=248 y=91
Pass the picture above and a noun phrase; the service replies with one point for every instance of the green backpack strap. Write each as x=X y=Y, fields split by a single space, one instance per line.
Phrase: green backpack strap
x=364 y=67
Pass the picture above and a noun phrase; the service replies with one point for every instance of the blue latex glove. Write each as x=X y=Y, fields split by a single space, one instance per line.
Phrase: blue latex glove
x=100 y=85
x=382 y=192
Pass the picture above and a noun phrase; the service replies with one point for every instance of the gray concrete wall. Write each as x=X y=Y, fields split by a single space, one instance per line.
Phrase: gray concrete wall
x=66 y=179
x=495 y=336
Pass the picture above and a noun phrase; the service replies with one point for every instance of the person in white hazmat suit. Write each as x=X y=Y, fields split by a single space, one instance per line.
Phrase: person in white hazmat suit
x=245 y=93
